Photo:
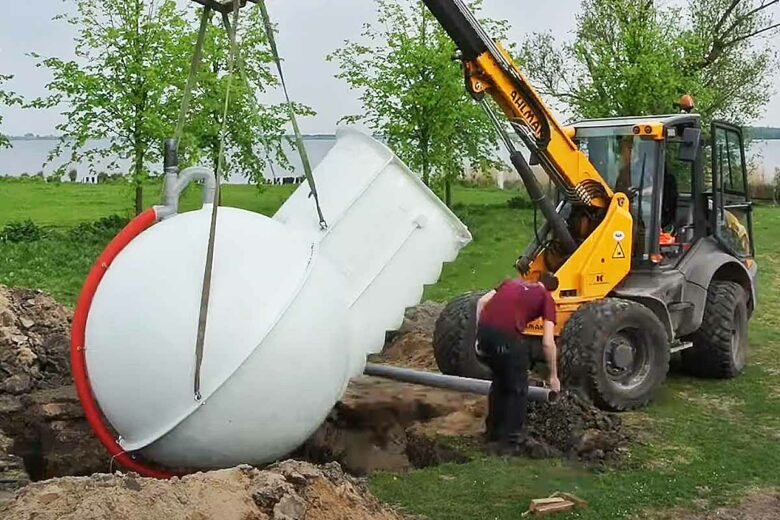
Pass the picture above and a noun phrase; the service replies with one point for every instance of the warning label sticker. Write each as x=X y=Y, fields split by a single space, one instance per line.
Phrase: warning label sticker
x=619 y=253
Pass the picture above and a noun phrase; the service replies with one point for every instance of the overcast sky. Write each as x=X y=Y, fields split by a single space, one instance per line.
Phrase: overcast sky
x=309 y=30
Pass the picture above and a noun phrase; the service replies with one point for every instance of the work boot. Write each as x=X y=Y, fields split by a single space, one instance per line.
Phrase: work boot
x=527 y=447
x=506 y=449
x=535 y=449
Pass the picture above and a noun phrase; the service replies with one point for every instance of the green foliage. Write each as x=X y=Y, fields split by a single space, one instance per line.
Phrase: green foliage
x=412 y=91
x=21 y=231
x=255 y=132
x=518 y=202
x=100 y=231
x=117 y=88
x=633 y=57
x=7 y=98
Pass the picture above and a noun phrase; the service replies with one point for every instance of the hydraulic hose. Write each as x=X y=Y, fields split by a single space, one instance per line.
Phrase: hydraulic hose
x=535 y=192
x=78 y=348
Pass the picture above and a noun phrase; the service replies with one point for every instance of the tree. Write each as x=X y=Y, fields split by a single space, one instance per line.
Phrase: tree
x=632 y=57
x=255 y=132
x=7 y=98
x=412 y=92
x=117 y=89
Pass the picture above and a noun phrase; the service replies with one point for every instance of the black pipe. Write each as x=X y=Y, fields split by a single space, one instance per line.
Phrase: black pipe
x=458 y=384
x=171 y=154
x=535 y=192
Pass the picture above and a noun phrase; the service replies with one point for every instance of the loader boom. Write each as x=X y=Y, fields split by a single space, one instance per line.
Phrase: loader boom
x=590 y=249
x=490 y=70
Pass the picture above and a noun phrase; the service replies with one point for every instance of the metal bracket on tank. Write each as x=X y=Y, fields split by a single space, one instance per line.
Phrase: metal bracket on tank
x=174 y=182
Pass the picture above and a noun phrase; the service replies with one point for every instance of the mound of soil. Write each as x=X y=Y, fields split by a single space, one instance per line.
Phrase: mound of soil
x=43 y=432
x=34 y=341
x=390 y=426
x=574 y=428
x=288 y=491
x=51 y=435
x=376 y=426
x=411 y=346
x=571 y=427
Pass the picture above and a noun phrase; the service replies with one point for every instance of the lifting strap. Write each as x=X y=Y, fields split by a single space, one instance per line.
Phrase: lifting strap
x=269 y=30
x=206 y=288
x=197 y=57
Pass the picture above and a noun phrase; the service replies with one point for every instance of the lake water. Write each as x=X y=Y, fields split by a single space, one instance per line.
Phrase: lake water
x=28 y=156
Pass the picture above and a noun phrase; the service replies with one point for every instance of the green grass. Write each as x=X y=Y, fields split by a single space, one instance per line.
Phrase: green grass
x=703 y=440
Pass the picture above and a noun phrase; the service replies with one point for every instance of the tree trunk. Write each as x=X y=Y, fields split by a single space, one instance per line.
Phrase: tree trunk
x=448 y=192
x=426 y=172
x=138 y=165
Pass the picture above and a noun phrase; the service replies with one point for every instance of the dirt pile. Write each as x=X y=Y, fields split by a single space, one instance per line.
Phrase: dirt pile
x=574 y=428
x=43 y=432
x=33 y=341
x=386 y=425
x=288 y=491
x=377 y=426
x=389 y=426
x=51 y=435
x=411 y=346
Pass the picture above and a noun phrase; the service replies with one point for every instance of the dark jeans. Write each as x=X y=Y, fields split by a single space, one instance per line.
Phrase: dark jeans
x=508 y=359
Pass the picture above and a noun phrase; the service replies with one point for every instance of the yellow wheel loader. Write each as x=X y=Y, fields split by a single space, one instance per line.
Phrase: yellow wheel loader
x=649 y=233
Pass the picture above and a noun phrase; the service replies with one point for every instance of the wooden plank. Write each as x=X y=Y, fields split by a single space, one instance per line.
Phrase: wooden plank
x=550 y=509
x=539 y=502
x=572 y=498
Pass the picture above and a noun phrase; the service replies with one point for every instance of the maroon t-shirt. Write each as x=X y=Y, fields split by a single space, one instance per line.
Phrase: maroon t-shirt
x=516 y=304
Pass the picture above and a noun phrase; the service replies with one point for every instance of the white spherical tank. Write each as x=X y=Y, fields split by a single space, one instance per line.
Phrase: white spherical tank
x=294 y=309
x=274 y=361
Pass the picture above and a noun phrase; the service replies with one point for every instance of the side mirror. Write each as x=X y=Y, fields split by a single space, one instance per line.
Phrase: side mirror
x=689 y=148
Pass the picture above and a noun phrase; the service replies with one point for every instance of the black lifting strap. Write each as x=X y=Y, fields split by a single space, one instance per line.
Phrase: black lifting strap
x=197 y=57
x=207 y=273
x=269 y=30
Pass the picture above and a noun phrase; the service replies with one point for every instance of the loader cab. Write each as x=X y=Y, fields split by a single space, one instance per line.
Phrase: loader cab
x=674 y=181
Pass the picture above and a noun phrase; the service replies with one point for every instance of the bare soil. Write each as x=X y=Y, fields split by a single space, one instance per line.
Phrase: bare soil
x=762 y=504
x=43 y=432
x=290 y=490
x=386 y=425
x=378 y=425
x=34 y=342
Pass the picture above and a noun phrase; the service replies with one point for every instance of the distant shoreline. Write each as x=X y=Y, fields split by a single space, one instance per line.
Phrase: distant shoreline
x=758 y=133
x=311 y=137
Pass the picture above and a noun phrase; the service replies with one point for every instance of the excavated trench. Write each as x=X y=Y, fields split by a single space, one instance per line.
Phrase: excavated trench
x=378 y=425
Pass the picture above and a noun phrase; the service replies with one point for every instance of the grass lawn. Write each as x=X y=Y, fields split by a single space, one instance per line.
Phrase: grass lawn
x=702 y=443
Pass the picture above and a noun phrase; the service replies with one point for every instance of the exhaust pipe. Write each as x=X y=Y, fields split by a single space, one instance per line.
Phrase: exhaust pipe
x=458 y=384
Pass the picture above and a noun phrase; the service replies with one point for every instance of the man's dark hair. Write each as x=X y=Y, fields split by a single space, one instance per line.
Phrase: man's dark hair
x=550 y=281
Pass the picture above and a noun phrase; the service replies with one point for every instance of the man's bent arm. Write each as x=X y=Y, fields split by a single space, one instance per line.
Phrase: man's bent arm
x=551 y=354
x=483 y=301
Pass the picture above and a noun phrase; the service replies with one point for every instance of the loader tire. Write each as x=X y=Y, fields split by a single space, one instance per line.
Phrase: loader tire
x=454 y=336
x=615 y=352
x=721 y=343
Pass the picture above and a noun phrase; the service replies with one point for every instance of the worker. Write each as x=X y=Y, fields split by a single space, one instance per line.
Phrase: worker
x=502 y=315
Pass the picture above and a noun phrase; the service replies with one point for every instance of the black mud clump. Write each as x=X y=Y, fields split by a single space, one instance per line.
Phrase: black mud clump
x=573 y=427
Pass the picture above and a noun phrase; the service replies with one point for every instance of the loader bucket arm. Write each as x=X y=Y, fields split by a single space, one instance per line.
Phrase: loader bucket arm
x=490 y=70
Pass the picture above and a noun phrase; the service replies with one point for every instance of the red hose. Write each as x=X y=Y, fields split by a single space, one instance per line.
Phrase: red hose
x=77 y=352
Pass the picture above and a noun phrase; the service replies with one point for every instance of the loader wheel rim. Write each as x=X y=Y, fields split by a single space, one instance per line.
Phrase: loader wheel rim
x=627 y=359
